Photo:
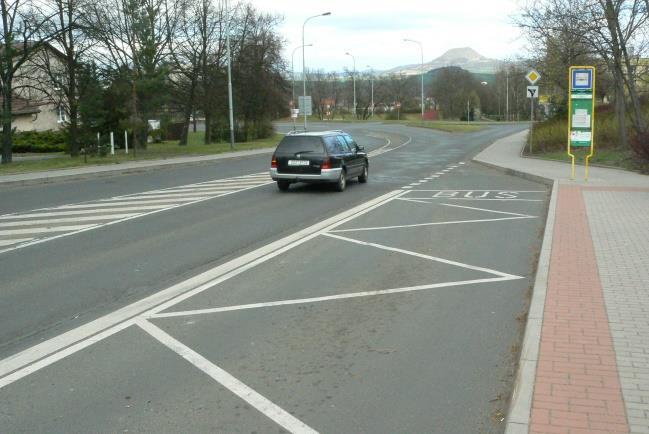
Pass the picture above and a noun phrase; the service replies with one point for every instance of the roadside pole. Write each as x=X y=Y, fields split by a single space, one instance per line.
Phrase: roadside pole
x=112 y=144
x=126 y=141
x=532 y=92
x=531 y=123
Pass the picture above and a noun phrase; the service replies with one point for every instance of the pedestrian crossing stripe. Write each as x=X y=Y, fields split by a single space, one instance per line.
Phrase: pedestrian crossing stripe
x=26 y=228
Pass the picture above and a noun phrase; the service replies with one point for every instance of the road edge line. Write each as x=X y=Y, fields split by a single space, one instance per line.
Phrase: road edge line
x=49 y=348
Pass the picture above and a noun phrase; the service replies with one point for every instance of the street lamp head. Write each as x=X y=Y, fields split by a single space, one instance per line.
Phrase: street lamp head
x=326 y=13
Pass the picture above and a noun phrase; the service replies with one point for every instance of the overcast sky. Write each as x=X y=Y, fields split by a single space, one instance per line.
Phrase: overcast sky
x=373 y=31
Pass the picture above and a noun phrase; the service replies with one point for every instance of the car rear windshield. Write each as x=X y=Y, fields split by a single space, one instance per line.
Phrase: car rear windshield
x=300 y=144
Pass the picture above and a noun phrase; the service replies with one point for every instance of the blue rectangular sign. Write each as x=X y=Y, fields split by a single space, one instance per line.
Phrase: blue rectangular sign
x=582 y=79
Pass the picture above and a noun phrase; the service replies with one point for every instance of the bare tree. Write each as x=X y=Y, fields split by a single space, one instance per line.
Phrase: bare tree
x=134 y=36
x=24 y=32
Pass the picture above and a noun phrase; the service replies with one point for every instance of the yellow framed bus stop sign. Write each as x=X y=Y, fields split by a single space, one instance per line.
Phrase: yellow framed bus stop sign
x=581 y=113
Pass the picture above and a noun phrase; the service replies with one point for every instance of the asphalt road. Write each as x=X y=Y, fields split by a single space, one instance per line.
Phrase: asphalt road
x=305 y=333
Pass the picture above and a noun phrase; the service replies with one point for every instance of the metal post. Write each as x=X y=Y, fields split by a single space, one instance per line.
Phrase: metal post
x=468 y=111
x=126 y=141
x=353 y=81
x=304 y=63
x=507 y=103
x=229 y=54
x=531 y=122
x=112 y=144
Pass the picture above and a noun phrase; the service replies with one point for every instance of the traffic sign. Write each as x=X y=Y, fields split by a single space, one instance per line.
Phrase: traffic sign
x=304 y=102
x=581 y=112
x=532 y=91
x=533 y=76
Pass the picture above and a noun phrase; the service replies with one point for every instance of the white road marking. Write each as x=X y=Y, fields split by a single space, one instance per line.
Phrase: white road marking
x=470 y=198
x=484 y=209
x=225 y=379
x=412 y=200
x=332 y=297
x=44 y=354
x=462 y=162
x=499 y=191
x=86 y=211
x=421 y=255
x=145 y=203
x=43 y=230
x=418 y=225
x=108 y=202
x=66 y=220
x=415 y=183
x=11 y=241
x=44 y=362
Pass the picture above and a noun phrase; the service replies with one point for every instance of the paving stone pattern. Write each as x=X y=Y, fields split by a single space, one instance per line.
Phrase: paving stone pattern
x=577 y=389
x=621 y=242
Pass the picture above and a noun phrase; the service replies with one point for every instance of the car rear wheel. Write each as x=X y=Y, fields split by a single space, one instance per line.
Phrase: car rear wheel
x=342 y=181
x=283 y=185
x=363 y=176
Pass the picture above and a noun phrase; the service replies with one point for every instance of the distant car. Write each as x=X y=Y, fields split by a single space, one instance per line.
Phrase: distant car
x=316 y=157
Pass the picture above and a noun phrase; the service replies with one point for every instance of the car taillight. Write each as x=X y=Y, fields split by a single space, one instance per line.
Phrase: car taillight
x=326 y=164
x=273 y=163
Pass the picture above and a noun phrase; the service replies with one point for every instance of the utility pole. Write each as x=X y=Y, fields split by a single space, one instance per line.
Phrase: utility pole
x=353 y=80
x=304 y=62
x=372 y=87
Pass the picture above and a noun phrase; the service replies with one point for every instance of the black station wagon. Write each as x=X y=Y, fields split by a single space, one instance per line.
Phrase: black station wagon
x=323 y=156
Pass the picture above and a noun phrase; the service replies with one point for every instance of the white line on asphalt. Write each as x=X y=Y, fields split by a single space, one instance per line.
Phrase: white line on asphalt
x=484 y=209
x=421 y=255
x=178 y=196
x=106 y=203
x=43 y=230
x=225 y=379
x=415 y=201
x=498 y=191
x=12 y=241
x=332 y=297
x=471 y=198
x=417 y=225
x=85 y=211
x=44 y=354
x=37 y=365
x=65 y=220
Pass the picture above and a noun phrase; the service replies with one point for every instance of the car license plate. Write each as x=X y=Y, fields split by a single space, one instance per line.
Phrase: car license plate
x=298 y=162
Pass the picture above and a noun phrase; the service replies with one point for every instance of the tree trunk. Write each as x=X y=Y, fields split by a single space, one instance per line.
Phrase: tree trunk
x=134 y=116
x=6 y=124
x=620 y=114
x=208 y=127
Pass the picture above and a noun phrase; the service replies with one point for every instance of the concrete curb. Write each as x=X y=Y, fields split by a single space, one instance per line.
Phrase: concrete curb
x=520 y=408
x=518 y=417
x=48 y=177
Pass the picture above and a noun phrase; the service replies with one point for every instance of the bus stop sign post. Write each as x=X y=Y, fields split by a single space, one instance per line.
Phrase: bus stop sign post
x=581 y=113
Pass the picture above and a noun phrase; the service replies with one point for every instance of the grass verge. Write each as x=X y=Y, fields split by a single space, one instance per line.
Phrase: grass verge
x=164 y=150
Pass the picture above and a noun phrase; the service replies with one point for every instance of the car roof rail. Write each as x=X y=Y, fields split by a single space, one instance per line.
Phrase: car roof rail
x=295 y=132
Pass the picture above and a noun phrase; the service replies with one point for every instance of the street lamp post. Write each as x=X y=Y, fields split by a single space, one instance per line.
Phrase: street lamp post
x=353 y=80
x=372 y=87
x=304 y=63
x=293 y=71
x=421 y=49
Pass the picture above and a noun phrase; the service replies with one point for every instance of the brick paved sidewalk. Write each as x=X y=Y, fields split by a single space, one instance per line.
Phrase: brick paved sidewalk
x=590 y=346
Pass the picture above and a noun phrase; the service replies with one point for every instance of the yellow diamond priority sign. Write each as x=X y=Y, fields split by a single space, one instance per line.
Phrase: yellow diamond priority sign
x=533 y=76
